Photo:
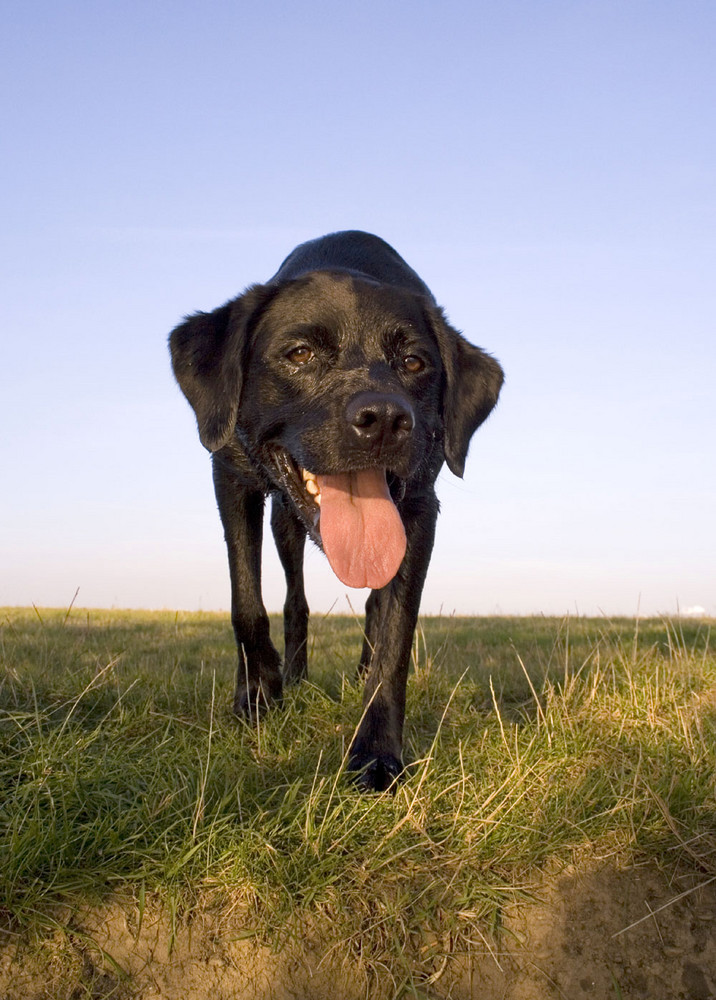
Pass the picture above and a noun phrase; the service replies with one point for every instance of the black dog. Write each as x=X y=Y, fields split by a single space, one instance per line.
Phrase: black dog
x=339 y=388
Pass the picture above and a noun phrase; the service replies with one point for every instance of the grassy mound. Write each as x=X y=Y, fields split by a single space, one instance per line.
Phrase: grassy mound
x=532 y=743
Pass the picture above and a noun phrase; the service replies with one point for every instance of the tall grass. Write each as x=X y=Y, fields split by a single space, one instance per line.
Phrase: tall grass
x=530 y=742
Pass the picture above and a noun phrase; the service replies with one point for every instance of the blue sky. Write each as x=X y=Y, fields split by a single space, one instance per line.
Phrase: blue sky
x=549 y=168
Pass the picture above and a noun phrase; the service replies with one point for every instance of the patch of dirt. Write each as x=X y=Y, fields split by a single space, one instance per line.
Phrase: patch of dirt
x=603 y=934
x=606 y=934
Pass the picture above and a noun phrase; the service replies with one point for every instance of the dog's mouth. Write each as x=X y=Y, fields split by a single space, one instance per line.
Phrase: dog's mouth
x=352 y=516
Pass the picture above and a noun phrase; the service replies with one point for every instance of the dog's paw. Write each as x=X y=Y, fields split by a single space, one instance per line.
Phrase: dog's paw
x=375 y=772
x=295 y=669
x=251 y=703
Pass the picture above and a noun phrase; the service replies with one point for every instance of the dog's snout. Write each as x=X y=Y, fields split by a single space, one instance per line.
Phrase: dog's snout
x=377 y=417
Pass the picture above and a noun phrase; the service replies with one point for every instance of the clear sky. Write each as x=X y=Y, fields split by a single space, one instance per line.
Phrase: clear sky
x=548 y=167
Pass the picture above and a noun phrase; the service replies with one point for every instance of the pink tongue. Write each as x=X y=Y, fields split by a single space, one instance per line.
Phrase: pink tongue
x=362 y=534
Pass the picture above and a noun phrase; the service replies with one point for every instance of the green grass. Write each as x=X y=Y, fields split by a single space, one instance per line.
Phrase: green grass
x=532 y=742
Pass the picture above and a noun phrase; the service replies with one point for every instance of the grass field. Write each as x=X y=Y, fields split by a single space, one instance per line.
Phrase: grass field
x=534 y=745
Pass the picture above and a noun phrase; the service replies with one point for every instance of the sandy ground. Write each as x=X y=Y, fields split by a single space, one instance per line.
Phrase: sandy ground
x=605 y=934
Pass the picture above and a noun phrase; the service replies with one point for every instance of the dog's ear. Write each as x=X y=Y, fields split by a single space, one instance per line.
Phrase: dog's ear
x=473 y=380
x=208 y=354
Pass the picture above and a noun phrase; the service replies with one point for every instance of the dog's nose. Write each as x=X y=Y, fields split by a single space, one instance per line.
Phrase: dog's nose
x=378 y=417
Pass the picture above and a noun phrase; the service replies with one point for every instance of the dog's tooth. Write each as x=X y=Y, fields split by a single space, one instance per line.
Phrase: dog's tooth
x=312 y=487
x=308 y=476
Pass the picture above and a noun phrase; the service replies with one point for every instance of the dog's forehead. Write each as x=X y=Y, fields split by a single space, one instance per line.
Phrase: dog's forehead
x=348 y=305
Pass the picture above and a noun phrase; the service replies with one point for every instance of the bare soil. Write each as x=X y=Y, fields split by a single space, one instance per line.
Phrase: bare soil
x=600 y=934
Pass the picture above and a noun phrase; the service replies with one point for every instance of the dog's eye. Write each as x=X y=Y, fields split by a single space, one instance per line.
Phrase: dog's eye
x=300 y=355
x=413 y=363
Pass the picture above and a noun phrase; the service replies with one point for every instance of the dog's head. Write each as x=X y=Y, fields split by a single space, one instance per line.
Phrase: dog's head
x=342 y=390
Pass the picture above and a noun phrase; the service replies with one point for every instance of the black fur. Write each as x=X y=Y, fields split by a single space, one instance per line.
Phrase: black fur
x=294 y=374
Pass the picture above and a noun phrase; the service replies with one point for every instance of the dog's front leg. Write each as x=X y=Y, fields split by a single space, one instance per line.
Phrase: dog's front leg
x=376 y=751
x=258 y=679
x=290 y=537
x=373 y=608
